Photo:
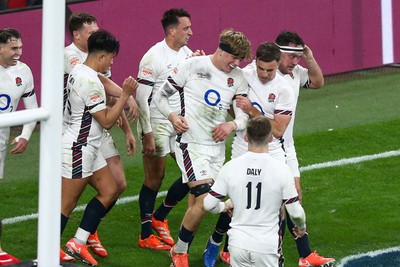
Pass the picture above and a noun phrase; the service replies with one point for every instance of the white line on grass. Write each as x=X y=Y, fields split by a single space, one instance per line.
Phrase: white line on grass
x=370 y=254
x=125 y=200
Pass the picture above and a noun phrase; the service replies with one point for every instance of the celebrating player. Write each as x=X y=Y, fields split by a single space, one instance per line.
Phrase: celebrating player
x=207 y=87
x=81 y=26
x=157 y=133
x=85 y=118
x=16 y=82
x=257 y=185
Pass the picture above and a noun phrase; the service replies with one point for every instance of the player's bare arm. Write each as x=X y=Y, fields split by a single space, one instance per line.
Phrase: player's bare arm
x=179 y=122
x=244 y=104
x=223 y=130
x=109 y=116
x=115 y=90
x=148 y=143
x=314 y=71
x=279 y=124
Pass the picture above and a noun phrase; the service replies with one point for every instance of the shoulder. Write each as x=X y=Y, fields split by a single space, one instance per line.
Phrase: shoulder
x=22 y=68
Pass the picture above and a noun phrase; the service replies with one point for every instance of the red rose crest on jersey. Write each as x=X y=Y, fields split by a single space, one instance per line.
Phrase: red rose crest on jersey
x=271 y=98
x=18 y=81
x=230 y=82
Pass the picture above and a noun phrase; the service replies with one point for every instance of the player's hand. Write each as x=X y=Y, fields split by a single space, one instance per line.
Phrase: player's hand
x=20 y=145
x=179 y=123
x=133 y=113
x=244 y=104
x=307 y=53
x=130 y=144
x=222 y=131
x=148 y=143
x=228 y=207
x=298 y=232
x=198 y=53
x=129 y=85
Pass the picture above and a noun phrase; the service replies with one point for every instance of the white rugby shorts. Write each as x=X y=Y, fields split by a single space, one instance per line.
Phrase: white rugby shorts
x=198 y=161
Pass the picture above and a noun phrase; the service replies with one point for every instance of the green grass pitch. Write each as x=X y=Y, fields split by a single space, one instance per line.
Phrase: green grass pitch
x=350 y=209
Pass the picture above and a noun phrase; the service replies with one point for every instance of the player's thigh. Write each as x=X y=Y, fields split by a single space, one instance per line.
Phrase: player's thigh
x=198 y=162
x=71 y=190
x=107 y=146
x=117 y=170
x=104 y=183
x=164 y=138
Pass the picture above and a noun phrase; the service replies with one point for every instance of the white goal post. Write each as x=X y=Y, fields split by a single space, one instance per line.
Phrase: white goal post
x=50 y=115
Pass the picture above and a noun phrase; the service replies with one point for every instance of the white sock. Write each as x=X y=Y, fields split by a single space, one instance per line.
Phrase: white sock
x=81 y=236
x=181 y=247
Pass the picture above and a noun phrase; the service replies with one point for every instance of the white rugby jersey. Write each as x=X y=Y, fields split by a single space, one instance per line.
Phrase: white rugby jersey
x=86 y=95
x=155 y=67
x=257 y=184
x=206 y=94
x=298 y=78
x=16 y=82
x=73 y=56
x=274 y=97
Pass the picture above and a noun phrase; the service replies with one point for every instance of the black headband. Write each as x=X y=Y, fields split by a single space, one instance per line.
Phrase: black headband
x=228 y=49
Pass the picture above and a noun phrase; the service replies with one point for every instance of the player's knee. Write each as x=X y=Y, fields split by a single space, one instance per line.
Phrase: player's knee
x=200 y=189
x=154 y=182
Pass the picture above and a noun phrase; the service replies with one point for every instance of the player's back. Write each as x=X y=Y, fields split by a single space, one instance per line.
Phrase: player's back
x=257 y=185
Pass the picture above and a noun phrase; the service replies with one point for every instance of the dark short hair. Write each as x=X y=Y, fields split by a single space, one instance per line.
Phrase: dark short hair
x=77 y=20
x=258 y=130
x=171 y=17
x=286 y=37
x=268 y=52
x=7 y=34
x=102 y=40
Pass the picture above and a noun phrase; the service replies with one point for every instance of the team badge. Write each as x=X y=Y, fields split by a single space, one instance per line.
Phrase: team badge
x=230 y=82
x=271 y=97
x=18 y=81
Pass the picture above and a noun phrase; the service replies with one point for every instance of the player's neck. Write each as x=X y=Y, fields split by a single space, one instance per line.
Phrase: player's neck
x=171 y=44
x=258 y=149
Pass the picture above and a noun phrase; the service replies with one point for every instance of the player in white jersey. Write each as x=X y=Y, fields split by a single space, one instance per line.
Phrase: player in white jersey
x=85 y=118
x=16 y=82
x=156 y=131
x=207 y=87
x=293 y=50
x=257 y=185
x=81 y=26
x=269 y=96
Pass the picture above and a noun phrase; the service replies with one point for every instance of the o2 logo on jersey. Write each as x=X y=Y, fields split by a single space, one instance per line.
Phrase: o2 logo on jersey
x=7 y=101
x=213 y=98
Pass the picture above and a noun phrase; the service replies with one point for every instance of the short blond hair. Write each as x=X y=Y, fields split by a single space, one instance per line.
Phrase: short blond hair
x=238 y=42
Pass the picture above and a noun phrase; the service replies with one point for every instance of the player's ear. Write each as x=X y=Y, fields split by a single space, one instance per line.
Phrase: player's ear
x=246 y=138
x=270 y=138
